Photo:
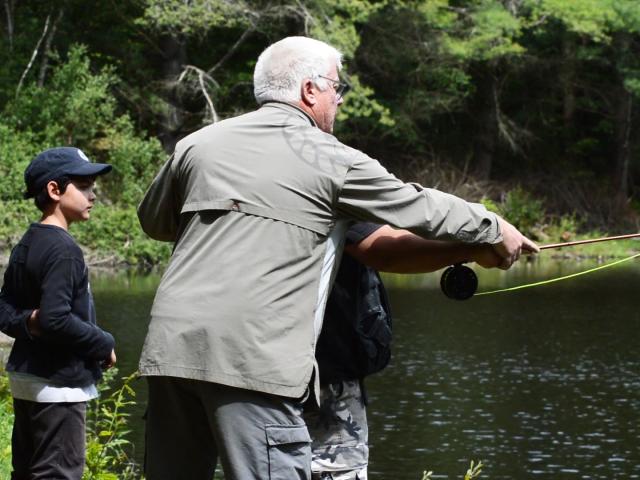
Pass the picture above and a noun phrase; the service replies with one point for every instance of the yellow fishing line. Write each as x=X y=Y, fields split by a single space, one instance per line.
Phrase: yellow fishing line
x=544 y=282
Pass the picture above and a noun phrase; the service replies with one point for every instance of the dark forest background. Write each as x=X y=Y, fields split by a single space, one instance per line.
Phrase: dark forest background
x=530 y=106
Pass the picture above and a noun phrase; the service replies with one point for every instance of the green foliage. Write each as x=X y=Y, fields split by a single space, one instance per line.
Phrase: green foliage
x=107 y=454
x=564 y=229
x=135 y=162
x=488 y=31
x=16 y=217
x=538 y=86
x=112 y=236
x=6 y=426
x=193 y=18
x=78 y=109
x=587 y=17
x=522 y=210
x=336 y=22
x=16 y=150
x=108 y=448
x=74 y=109
x=115 y=231
x=361 y=104
x=473 y=471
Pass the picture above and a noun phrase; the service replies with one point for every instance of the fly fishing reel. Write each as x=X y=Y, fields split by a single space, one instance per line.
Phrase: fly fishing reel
x=459 y=282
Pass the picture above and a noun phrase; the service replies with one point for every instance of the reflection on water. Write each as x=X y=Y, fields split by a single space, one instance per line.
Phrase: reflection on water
x=540 y=383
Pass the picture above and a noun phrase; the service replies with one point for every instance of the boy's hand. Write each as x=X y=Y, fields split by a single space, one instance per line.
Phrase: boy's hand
x=33 y=324
x=486 y=256
x=109 y=362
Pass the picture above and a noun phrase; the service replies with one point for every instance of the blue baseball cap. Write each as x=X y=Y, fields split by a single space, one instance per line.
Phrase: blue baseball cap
x=59 y=162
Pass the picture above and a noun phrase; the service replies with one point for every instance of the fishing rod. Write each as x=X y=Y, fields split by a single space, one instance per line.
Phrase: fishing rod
x=592 y=240
x=460 y=282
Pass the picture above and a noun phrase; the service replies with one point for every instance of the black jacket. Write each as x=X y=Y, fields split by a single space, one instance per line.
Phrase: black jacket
x=47 y=271
x=355 y=340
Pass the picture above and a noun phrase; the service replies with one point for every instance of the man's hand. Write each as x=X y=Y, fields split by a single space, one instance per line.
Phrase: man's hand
x=33 y=324
x=109 y=362
x=512 y=245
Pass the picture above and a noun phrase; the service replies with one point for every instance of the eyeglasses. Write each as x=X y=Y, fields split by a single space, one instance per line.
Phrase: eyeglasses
x=340 y=88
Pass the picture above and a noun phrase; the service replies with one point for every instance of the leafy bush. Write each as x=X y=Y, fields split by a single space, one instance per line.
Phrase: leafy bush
x=522 y=210
x=135 y=162
x=16 y=217
x=115 y=231
x=6 y=425
x=107 y=429
x=76 y=108
x=16 y=150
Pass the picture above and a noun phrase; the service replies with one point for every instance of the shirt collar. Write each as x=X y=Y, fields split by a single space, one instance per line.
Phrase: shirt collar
x=291 y=108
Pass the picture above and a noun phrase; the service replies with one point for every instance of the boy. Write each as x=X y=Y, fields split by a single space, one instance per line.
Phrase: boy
x=46 y=305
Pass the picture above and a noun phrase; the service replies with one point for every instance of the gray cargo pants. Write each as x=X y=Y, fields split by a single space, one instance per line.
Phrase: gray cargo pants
x=191 y=424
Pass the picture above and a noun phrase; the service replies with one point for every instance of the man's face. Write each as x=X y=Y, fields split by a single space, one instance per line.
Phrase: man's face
x=328 y=103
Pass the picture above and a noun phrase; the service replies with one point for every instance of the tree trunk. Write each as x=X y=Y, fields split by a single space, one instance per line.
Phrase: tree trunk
x=486 y=135
x=9 y=6
x=175 y=57
x=623 y=105
x=567 y=80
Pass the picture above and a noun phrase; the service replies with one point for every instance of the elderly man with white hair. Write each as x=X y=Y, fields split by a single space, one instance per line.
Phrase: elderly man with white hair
x=257 y=207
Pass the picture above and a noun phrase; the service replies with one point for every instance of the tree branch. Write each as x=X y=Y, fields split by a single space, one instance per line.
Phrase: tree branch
x=202 y=77
x=34 y=54
x=233 y=49
x=8 y=7
x=47 y=48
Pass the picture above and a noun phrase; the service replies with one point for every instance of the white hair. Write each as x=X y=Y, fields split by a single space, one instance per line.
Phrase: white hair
x=283 y=66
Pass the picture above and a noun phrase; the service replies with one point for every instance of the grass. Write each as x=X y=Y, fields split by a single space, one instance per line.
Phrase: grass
x=6 y=425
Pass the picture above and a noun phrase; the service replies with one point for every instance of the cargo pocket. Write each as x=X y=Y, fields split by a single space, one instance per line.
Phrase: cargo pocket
x=289 y=450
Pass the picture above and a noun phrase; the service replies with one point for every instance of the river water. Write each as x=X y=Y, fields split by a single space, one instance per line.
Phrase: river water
x=539 y=383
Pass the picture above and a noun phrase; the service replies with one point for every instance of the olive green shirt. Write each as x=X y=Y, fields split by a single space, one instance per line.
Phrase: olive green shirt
x=257 y=206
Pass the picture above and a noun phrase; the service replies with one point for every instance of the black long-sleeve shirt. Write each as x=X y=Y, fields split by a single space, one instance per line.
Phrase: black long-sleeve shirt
x=47 y=271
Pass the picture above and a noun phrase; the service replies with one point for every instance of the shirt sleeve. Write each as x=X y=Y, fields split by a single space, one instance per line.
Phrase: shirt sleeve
x=370 y=193
x=359 y=231
x=13 y=321
x=57 y=321
x=158 y=214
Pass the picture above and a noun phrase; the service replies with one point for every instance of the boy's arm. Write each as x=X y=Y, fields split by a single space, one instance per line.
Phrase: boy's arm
x=13 y=321
x=400 y=251
x=58 y=323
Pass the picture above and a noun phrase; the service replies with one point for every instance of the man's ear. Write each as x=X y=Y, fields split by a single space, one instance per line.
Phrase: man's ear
x=54 y=190
x=308 y=93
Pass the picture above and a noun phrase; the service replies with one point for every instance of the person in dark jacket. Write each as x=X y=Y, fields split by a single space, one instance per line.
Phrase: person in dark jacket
x=46 y=305
x=355 y=340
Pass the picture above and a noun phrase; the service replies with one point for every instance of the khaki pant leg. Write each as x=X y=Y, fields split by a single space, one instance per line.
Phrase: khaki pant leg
x=259 y=436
